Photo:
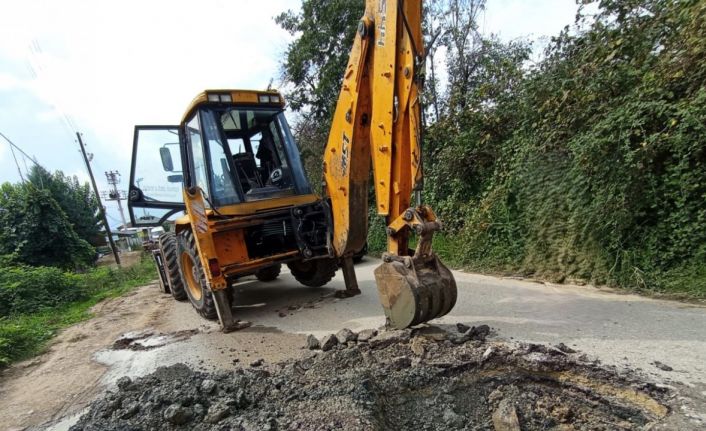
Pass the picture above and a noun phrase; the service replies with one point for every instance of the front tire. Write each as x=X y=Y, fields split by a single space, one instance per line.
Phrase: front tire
x=192 y=274
x=168 y=246
x=270 y=273
x=314 y=273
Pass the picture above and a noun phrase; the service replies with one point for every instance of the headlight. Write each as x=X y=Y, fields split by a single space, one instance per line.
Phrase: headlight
x=213 y=97
x=264 y=98
x=226 y=98
x=274 y=99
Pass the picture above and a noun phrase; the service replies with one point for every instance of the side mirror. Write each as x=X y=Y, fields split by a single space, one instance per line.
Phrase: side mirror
x=166 y=156
x=175 y=178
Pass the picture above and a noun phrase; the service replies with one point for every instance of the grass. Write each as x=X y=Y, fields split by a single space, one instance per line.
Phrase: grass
x=25 y=335
x=686 y=284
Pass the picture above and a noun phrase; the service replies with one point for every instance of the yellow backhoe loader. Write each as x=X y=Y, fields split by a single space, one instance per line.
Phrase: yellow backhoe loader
x=233 y=167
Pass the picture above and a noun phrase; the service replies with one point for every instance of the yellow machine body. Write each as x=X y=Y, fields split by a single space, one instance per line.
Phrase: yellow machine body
x=377 y=123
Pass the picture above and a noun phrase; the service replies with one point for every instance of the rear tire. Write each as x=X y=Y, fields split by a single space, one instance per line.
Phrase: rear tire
x=314 y=273
x=194 y=278
x=168 y=246
x=270 y=273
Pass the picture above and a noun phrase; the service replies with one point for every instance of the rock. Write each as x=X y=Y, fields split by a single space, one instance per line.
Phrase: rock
x=366 y=334
x=345 y=335
x=328 y=342
x=663 y=367
x=198 y=409
x=401 y=362
x=217 y=412
x=123 y=382
x=487 y=354
x=452 y=419
x=462 y=328
x=130 y=410
x=207 y=386
x=564 y=348
x=312 y=343
x=458 y=339
x=495 y=396
x=562 y=413
x=387 y=338
x=433 y=333
x=257 y=362
x=478 y=332
x=417 y=347
x=505 y=417
x=177 y=414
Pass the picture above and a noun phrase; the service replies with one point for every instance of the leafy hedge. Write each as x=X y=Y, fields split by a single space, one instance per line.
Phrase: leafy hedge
x=592 y=165
x=35 y=302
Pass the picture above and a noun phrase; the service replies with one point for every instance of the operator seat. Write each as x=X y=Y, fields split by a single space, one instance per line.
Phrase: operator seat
x=247 y=171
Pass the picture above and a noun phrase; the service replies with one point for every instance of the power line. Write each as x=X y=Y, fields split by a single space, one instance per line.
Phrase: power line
x=19 y=171
x=20 y=150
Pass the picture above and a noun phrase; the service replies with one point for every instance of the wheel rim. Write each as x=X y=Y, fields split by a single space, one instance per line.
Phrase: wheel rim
x=190 y=277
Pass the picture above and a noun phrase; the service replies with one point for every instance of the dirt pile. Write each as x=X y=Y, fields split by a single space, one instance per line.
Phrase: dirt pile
x=424 y=379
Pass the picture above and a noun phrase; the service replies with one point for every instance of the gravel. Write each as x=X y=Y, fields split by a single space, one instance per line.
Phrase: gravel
x=395 y=380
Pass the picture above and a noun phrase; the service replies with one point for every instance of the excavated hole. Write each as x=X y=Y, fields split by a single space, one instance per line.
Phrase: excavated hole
x=401 y=380
x=534 y=400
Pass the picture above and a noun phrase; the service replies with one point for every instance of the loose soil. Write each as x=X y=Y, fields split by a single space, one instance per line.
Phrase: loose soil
x=131 y=335
x=423 y=379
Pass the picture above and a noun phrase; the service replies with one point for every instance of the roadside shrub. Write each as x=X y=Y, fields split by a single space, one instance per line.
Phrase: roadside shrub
x=36 y=302
x=25 y=289
x=594 y=166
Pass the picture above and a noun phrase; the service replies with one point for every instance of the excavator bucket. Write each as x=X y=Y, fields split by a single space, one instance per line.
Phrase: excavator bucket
x=414 y=289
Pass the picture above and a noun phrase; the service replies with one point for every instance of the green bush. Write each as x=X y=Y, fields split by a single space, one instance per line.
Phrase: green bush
x=592 y=165
x=36 y=302
x=35 y=229
x=25 y=289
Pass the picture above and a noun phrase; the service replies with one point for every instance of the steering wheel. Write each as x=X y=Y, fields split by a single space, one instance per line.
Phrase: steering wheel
x=276 y=176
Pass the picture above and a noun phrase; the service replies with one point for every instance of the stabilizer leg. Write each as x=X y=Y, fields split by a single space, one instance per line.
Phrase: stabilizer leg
x=225 y=314
x=349 y=278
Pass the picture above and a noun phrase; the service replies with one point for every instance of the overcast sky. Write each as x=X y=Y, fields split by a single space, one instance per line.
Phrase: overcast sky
x=101 y=67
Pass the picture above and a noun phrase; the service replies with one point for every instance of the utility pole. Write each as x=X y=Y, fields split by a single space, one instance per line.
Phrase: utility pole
x=100 y=204
x=113 y=178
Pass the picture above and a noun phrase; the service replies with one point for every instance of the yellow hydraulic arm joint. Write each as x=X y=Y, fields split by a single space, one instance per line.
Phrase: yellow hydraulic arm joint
x=378 y=121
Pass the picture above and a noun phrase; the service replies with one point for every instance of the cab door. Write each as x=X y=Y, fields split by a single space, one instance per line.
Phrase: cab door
x=156 y=176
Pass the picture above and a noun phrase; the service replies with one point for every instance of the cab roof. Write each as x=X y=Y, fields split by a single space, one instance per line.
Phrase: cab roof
x=271 y=98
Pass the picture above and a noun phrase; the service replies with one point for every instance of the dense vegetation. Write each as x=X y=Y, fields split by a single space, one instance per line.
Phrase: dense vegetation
x=589 y=164
x=36 y=302
x=49 y=220
x=47 y=278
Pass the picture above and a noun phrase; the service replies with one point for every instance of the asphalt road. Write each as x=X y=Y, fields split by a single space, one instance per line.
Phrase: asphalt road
x=626 y=331
x=619 y=329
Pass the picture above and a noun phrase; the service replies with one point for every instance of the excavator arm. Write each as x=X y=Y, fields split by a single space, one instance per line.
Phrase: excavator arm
x=378 y=121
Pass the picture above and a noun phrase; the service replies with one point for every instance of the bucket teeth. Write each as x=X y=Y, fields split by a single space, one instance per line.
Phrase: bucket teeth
x=414 y=290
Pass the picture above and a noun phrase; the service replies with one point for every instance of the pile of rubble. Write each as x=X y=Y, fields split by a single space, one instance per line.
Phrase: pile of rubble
x=420 y=379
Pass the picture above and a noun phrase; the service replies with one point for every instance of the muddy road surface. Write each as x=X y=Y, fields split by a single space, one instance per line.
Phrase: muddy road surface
x=663 y=341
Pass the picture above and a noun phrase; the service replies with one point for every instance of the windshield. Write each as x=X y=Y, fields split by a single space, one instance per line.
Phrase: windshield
x=263 y=157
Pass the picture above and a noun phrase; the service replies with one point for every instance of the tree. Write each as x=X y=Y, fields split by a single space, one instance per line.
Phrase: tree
x=464 y=46
x=313 y=65
x=76 y=200
x=36 y=231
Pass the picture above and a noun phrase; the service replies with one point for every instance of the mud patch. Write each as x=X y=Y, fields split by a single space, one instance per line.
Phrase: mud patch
x=289 y=310
x=401 y=380
x=148 y=340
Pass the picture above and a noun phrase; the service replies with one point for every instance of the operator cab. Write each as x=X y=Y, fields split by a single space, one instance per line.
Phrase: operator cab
x=236 y=146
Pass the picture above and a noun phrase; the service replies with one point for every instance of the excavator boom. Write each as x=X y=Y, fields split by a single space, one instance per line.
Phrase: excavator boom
x=378 y=120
